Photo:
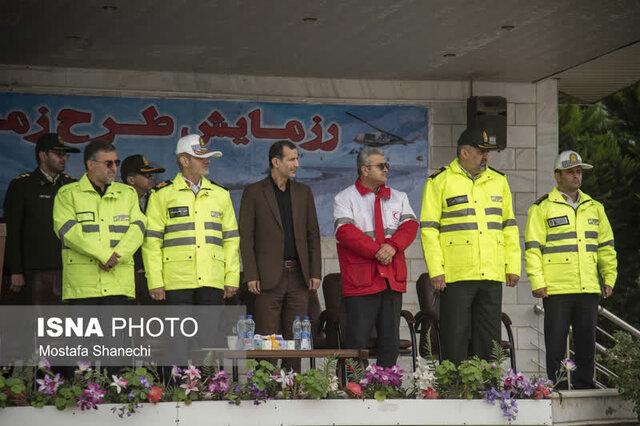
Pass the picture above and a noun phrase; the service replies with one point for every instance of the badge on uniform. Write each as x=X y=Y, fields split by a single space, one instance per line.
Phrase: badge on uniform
x=85 y=216
x=216 y=215
x=557 y=221
x=178 y=211
x=121 y=218
x=592 y=221
x=496 y=198
x=460 y=199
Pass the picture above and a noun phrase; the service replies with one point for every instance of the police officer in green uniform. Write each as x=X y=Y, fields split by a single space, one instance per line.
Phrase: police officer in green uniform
x=33 y=250
x=471 y=246
x=571 y=262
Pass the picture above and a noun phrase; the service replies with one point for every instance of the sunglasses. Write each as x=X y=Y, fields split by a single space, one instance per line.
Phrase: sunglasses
x=109 y=163
x=381 y=166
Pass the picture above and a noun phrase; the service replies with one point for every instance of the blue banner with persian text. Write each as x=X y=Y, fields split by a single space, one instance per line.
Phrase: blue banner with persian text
x=328 y=138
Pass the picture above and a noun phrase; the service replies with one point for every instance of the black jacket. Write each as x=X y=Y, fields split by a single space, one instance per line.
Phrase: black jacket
x=28 y=211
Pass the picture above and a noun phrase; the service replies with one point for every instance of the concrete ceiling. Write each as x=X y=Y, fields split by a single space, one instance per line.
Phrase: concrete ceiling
x=590 y=45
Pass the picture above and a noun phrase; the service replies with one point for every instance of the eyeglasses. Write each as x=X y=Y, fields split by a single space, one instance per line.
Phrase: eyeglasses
x=381 y=166
x=109 y=163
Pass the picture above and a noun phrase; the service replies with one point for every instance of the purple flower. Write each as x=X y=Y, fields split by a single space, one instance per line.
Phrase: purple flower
x=49 y=386
x=145 y=382
x=568 y=364
x=131 y=396
x=90 y=397
x=44 y=364
x=249 y=374
x=82 y=367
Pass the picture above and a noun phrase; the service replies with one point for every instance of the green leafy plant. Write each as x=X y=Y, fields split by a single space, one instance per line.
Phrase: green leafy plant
x=624 y=361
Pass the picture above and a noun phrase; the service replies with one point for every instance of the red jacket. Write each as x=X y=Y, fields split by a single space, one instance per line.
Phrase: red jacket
x=355 y=233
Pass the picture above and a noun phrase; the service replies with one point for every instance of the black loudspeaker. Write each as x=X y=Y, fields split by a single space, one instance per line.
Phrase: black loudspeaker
x=489 y=113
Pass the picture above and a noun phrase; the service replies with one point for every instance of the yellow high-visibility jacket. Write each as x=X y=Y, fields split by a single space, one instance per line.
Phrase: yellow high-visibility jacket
x=91 y=228
x=191 y=241
x=565 y=248
x=468 y=229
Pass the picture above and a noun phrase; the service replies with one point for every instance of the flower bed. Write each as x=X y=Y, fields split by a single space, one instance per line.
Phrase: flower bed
x=132 y=389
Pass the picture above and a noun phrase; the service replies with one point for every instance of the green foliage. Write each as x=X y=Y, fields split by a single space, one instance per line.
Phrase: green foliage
x=11 y=390
x=624 y=361
x=607 y=134
x=469 y=380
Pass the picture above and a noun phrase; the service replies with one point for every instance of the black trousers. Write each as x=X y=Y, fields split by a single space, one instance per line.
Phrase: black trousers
x=470 y=304
x=195 y=296
x=381 y=310
x=580 y=311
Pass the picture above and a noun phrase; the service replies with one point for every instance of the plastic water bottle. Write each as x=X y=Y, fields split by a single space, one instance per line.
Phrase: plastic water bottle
x=297 y=331
x=241 y=330
x=305 y=343
x=250 y=329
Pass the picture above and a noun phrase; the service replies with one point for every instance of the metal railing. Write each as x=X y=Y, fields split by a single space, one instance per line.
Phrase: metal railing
x=599 y=367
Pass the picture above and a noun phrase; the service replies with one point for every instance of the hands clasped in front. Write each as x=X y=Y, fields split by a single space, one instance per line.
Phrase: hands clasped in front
x=385 y=254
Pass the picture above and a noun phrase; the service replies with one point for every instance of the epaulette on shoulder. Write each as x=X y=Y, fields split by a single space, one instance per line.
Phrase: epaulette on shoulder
x=23 y=175
x=68 y=177
x=162 y=184
x=220 y=185
x=437 y=172
x=497 y=171
x=541 y=199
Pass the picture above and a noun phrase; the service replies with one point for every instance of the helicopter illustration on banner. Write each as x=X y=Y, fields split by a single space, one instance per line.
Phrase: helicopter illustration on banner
x=379 y=138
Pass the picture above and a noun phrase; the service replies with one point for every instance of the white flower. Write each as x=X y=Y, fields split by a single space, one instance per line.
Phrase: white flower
x=118 y=382
x=333 y=384
x=424 y=377
x=286 y=379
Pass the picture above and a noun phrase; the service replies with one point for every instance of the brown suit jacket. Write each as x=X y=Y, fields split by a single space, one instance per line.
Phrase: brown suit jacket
x=262 y=237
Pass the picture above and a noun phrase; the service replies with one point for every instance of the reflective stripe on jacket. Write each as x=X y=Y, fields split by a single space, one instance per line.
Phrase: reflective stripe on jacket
x=468 y=229
x=191 y=241
x=564 y=248
x=354 y=221
x=91 y=228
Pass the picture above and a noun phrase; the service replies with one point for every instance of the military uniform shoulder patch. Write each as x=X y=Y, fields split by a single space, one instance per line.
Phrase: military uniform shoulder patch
x=69 y=178
x=497 y=171
x=163 y=184
x=541 y=199
x=220 y=185
x=437 y=172
x=23 y=175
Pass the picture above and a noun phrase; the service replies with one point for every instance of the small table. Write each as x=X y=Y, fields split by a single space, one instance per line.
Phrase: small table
x=275 y=354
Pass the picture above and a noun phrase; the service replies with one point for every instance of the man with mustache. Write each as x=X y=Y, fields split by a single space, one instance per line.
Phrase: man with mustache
x=33 y=250
x=571 y=262
x=470 y=243
x=374 y=226
x=100 y=225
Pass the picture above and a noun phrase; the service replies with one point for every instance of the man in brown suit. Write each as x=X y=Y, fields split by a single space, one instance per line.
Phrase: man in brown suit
x=280 y=243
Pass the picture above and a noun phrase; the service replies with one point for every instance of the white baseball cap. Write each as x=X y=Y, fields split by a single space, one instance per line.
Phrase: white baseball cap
x=568 y=159
x=194 y=145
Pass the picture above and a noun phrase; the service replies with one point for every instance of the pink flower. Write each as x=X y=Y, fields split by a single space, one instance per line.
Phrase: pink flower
x=192 y=373
x=354 y=389
x=189 y=387
x=49 y=386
